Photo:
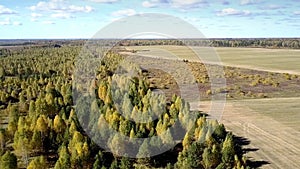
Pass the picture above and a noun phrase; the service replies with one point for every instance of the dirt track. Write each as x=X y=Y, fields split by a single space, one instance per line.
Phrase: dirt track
x=270 y=141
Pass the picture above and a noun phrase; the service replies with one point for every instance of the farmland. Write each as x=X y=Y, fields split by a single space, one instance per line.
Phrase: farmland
x=270 y=127
x=274 y=60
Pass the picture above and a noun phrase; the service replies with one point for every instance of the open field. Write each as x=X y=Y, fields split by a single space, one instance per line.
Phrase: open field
x=272 y=139
x=275 y=60
x=283 y=110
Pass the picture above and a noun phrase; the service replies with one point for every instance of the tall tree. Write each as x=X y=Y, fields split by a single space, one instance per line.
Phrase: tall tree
x=36 y=142
x=37 y=163
x=13 y=120
x=59 y=124
x=63 y=161
x=228 y=151
x=211 y=157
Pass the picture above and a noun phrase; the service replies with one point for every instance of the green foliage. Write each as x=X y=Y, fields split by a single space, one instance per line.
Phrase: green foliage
x=63 y=161
x=191 y=157
x=125 y=163
x=37 y=163
x=9 y=161
x=36 y=141
x=13 y=120
x=99 y=161
x=211 y=157
x=114 y=165
x=228 y=150
x=58 y=124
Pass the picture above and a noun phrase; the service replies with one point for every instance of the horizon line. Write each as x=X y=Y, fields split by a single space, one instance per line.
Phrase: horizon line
x=203 y=38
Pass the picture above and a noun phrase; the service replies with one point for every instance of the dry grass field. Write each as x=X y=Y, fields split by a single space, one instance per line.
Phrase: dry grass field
x=269 y=127
x=275 y=60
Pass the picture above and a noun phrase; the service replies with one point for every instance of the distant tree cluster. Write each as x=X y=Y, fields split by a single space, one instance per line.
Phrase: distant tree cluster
x=293 y=43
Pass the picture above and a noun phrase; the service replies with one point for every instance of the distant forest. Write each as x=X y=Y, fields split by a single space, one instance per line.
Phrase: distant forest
x=292 y=43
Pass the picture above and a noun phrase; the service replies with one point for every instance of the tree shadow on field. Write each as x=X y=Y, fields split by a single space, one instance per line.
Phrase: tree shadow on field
x=256 y=164
x=241 y=140
x=252 y=163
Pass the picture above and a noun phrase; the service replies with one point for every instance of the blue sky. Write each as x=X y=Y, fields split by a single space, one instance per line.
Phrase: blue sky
x=21 y=19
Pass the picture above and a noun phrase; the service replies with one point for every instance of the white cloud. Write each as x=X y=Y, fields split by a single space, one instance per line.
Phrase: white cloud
x=17 y=23
x=7 y=21
x=149 y=4
x=56 y=9
x=297 y=13
x=74 y=9
x=61 y=15
x=6 y=11
x=125 y=12
x=231 y=11
x=36 y=15
x=59 y=6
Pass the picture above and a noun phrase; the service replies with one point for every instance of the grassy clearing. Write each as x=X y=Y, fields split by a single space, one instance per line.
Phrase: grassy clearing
x=278 y=60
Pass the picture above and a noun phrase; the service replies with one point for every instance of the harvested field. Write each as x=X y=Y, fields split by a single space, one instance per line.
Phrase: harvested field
x=271 y=140
x=273 y=60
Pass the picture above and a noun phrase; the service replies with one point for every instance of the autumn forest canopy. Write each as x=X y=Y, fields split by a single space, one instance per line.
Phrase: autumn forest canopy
x=51 y=116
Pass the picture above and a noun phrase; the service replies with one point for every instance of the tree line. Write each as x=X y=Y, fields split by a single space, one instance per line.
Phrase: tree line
x=289 y=43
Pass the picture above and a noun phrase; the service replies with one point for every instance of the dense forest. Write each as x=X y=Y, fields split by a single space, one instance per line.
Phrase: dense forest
x=42 y=128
